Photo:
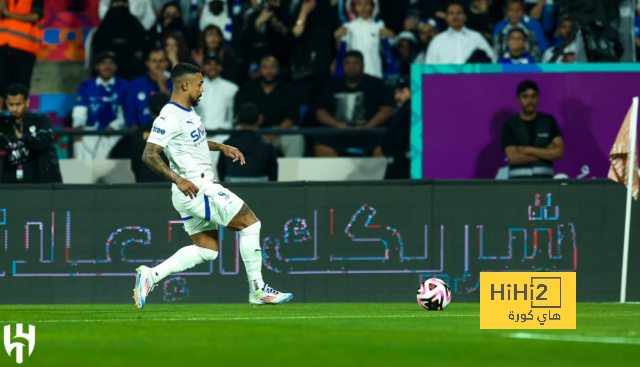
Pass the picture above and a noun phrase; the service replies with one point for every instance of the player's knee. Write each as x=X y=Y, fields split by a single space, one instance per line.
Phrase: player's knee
x=251 y=229
x=207 y=254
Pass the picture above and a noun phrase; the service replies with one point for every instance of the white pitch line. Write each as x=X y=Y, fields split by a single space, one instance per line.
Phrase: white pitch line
x=576 y=338
x=238 y=318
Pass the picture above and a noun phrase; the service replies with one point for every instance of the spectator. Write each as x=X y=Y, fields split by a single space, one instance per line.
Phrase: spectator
x=313 y=47
x=406 y=46
x=121 y=33
x=262 y=163
x=356 y=100
x=187 y=11
x=215 y=13
x=480 y=18
x=364 y=34
x=20 y=39
x=458 y=43
x=99 y=106
x=267 y=33
x=216 y=106
x=175 y=46
x=278 y=105
x=564 y=51
x=515 y=18
x=27 y=155
x=396 y=141
x=140 y=9
x=139 y=140
x=169 y=19
x=531 y=139
x=136 y=104
x=212 y=44
x=427 y=30
x=516 y=53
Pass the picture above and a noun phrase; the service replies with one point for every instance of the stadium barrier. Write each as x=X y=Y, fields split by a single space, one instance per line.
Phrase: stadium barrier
x=325 y=242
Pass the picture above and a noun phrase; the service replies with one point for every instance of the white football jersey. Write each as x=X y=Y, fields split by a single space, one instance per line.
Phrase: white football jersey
x=184 y=139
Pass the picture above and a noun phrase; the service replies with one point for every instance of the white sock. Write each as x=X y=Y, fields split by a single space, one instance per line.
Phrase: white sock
x=186 y=258
x=251 y=253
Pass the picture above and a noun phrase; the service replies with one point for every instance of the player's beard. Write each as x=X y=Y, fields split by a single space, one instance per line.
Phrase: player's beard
x=194 y=102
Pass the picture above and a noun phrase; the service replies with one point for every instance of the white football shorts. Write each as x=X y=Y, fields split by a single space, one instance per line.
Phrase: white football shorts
x=214 y=206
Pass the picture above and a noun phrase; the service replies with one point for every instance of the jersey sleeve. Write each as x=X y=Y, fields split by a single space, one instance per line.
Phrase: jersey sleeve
x=163 y=130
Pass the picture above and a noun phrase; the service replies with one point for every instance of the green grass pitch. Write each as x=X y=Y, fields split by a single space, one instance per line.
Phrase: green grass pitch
x=199 y=335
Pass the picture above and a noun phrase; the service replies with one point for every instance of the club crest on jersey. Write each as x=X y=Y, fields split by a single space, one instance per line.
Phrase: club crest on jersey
x=198 y=134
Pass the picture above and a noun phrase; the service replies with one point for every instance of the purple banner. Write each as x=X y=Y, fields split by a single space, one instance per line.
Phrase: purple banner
x=463 y=115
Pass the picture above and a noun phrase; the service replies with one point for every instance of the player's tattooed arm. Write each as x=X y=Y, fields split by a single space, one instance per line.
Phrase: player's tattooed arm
x=151 y=157
x=214 y=147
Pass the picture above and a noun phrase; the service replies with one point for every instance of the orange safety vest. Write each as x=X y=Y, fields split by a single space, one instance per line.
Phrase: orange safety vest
x=17 y=34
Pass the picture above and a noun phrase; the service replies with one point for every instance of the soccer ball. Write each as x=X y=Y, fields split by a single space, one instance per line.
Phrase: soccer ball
x=434 y=295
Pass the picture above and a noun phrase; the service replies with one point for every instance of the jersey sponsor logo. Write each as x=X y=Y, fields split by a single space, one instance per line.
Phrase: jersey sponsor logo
x=198 y=134
x=158 y=130
x=224 y=195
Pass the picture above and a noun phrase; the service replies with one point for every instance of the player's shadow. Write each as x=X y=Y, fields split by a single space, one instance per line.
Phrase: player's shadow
x=575 y=122
x=492 y=157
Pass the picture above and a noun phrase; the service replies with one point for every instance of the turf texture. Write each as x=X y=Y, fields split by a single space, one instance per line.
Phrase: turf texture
x=186 y=335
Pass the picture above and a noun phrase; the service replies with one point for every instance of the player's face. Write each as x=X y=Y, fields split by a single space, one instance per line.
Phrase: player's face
x=106 y=68
x=402 y=95
x=455 y=16
x=17 y=105
x=353 y=67
x=529 y=101
x=269 y=70
x=195 y=89
x=515 y=13
x=516 y=42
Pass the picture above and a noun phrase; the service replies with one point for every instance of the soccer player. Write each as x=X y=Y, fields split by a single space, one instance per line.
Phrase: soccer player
x=202 y=204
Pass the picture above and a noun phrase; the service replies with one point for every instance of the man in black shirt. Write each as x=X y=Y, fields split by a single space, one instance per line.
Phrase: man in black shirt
x=278 y=105
x=261 y=161
x=27 y=154
x=353 y=101
x=531 y=140
x=396 y=141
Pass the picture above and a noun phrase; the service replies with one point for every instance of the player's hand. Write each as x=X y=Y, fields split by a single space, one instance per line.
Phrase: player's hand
x=233 y=153
x=187 y=188
x=342 y=125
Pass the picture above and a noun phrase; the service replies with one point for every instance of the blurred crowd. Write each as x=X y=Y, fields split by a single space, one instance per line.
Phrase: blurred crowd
x=340 y=64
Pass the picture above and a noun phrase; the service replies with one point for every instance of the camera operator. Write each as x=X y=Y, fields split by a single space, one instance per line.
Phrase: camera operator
x=27 y=155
